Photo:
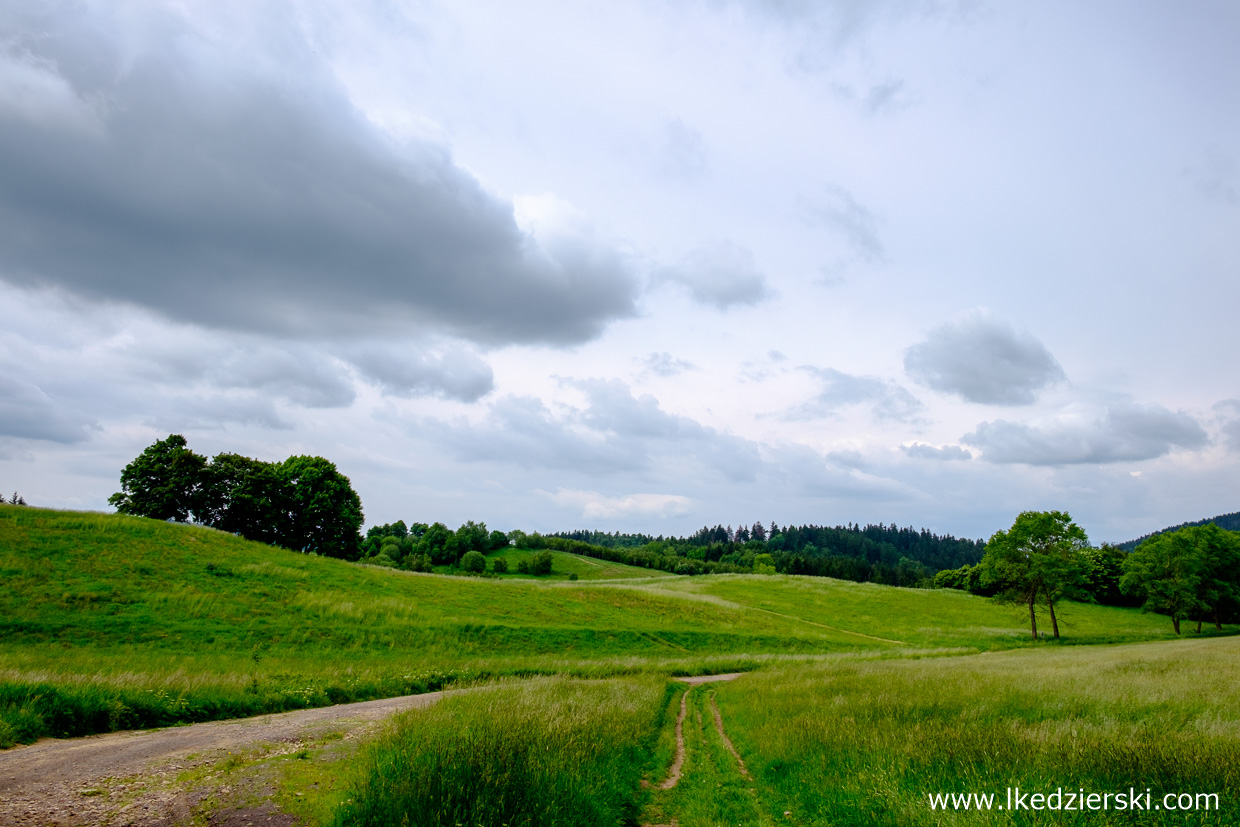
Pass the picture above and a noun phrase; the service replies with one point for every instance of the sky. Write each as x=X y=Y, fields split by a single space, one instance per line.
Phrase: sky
x=647 y=265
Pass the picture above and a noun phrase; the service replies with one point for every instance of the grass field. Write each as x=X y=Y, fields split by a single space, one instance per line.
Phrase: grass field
x=867 y=743
x=861 y=701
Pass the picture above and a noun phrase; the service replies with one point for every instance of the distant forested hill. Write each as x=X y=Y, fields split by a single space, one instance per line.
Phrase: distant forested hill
x=1231 y=522
x=879 y=553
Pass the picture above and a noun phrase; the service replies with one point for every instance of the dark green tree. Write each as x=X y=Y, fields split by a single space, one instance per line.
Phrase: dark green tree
x=540 y=562
x=1192 y=572
x=1038 y=560
x=164 y=482
x=325 y=513
x=248 y=497
x=473 y=562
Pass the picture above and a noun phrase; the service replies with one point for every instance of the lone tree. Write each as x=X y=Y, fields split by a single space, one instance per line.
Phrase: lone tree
x=1038 y=560
x=1194 y=571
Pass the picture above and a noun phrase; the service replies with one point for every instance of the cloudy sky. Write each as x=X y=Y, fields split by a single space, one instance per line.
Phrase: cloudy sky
x=644 y=265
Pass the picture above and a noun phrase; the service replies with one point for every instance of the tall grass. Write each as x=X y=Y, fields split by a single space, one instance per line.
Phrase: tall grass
x=548 y=752
x=865 y=743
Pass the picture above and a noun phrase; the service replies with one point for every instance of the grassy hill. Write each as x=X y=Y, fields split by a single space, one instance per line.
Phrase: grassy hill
x=110 y=622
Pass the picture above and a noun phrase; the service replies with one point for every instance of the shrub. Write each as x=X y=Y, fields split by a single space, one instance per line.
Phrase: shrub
x=572 y=575
x=474 y=562
x=500 y=566
x=540 y=563
x=523 y=567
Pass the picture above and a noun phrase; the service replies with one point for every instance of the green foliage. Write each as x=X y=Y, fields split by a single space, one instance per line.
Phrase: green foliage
x=1039 y=559
x=1192 y=571
x=303 y=504
x=540 y=562
x=500 y=566
x=474 y=562
x=325 y=512
x=164 y=482
x=549 y=752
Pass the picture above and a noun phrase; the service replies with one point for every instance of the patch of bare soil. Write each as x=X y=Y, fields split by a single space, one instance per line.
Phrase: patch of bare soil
x=131 y=778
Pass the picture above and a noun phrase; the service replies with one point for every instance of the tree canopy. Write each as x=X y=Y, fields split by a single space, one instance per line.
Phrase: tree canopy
x=304 y=503
x=1192 y=572
x=1038 y=560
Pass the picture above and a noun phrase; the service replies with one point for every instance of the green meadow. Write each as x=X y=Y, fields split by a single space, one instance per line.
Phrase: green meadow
x=859 y=701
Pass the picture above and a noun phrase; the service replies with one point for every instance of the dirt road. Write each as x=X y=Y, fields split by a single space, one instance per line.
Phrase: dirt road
x=95 y=780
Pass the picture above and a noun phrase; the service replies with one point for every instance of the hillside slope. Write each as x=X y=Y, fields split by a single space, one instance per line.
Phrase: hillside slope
x=131 y=621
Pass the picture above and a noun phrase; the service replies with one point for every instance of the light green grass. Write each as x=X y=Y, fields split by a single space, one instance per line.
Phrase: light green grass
x=563 y=564
x=865 y=743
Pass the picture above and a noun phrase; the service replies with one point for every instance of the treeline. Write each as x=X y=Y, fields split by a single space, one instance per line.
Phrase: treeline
x=302 y=503
x=1230 y=522
x=874 y=553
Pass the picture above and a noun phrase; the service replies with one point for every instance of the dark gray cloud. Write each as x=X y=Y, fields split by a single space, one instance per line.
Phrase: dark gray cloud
x=885 y=399
x=919 y=450
x=721 y=275
x=1125 y=433
x=454 y=374
x=982 y=359
x=27 y=412
x=664 y=364
x=238 y=187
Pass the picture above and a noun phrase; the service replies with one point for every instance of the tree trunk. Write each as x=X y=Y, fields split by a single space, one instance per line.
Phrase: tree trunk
x=1175 y=621
x=1199 y=625
x=1218 y=619
x=1033 y=620
x=1054 y=622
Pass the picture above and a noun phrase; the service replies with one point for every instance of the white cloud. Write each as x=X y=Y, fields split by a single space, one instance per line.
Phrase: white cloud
x=596 y=506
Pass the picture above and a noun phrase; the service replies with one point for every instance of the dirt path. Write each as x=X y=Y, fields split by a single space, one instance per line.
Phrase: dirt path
x=71 y=781
x=673 y=774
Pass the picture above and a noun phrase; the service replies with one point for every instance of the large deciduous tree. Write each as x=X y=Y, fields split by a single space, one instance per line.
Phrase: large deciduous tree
x=164 y=482
x=1037 y=561
x=325 y=513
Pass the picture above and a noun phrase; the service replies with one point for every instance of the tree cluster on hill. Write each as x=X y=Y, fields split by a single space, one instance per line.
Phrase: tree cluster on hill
x=873 y=553
x=1189 y=574
x=303 y=503
x=421 y=547
x=17 y=499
